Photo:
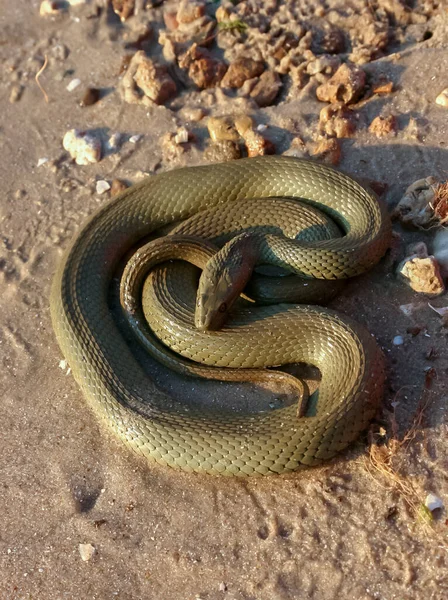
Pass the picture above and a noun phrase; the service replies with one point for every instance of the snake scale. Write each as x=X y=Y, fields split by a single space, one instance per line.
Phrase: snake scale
x=224 y=442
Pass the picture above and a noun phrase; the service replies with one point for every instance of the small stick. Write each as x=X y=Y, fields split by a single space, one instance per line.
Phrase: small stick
x=38 y=74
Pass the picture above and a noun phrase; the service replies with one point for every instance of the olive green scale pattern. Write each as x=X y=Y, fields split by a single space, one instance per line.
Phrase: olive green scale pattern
x=220 y=442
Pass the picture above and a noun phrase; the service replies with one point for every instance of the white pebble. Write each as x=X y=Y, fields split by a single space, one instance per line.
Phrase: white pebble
x=135 y=138
x=49 y=7
x=74 y=83
x=398 y=340
x=82 y=146
x=262 y=127
x=87 y=551
x=433 y=502
x=181 y=136
x=442 y=98
x=63 y=364
x=42 y=161
x=102 y=186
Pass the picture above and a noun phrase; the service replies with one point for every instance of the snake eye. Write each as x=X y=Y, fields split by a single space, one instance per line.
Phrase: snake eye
x=222 y=307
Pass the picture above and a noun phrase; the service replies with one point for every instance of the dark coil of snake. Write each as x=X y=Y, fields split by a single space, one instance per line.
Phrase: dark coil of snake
x=217 y=441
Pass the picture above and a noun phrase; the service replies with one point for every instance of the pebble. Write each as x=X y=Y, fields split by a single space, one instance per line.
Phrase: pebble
x=346 y=85
x=383 y=126
x=240 y=71
x=433 y=502
x=16 y=93
x=83 y=147
x=123 y=8
x=117 y=187
x=398 y=340
x=442 y=98
x=266 y=89
x=146 y=82
x=91 y=96
x=422 y=275
x=222 y=151
x=50 y=7
x=181 y=136
x=134 y=139
x=414 y=208
x=222 y=128
x=86 y=551
x=102 y=186
x=336 y=120
x=328 y=151
x=42 y=161
x=74 y=83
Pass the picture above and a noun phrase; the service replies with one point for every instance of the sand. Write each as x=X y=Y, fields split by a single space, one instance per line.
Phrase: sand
x=332 y=532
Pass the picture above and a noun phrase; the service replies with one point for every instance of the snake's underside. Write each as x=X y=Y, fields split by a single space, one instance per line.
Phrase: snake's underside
x=225 y=442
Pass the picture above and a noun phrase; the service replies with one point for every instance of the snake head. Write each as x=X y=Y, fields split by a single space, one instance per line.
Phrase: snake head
x=222 y=281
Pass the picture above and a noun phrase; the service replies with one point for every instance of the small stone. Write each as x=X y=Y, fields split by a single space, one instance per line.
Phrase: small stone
x=189 y=11
x=422 y=275
x=345 y=86
x=266 y=89
x=433 y=502
x=383 y=88
x=324 y=64
x=74 y=83
x=415 y=207
x=243 y=124
x=297 y=148
x=328 y=151
x=123 y=8
x=222 y=587
x=117 y=187
x=51 y=7
x=86 y=551
x=442 y=98
x=114 y=142
x=16 y=93
x=207 y=72
x=221 y=128
x=102 y=186
x=240 y=71
x=83 y=147
x=146 y=83
x=193 y=115
x=398 y=340
x=91 y=96
x=222 y=151
x=181 y=136
x=383 y=126
x=257 y=145
x=336 y=120
x=134 y=139
x=42 y=161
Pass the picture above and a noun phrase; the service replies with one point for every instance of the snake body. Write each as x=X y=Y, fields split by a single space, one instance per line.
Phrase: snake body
x=212 y=441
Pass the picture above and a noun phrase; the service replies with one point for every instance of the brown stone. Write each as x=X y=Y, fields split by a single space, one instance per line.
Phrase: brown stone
x=222 y=151
x=266 y=89
x=123 y=8
x=207 y=72
x=117 y=187
x=240 y=71
x=336 y=120
x=383 y=126
x=345 y=86
x=328 y=151
x=221 y=128
x=189 y=11
x=145 y=82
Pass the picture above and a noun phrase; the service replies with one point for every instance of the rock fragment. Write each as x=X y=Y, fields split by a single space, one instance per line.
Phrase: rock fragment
x=266 y=89
x=222 y=151
x=83 y=147
x=422 y=275
x=117 y=187
x=86 y=551
x=442 y=98
x=146 y=82
x=91 y=96
x=336 y=120
x=346 y=85
x=240 y=71
x=328 y=151
x=123 y=8
x=415 y=207
x=222 y=128
x=383 y=126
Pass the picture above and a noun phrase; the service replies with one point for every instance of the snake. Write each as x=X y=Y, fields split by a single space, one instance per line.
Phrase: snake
x=118 y=387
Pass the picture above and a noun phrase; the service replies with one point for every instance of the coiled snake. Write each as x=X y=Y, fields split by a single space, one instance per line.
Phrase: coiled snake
x=225 y=442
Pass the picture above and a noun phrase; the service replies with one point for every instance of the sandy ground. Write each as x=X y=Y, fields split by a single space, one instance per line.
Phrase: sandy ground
x=332 y=532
